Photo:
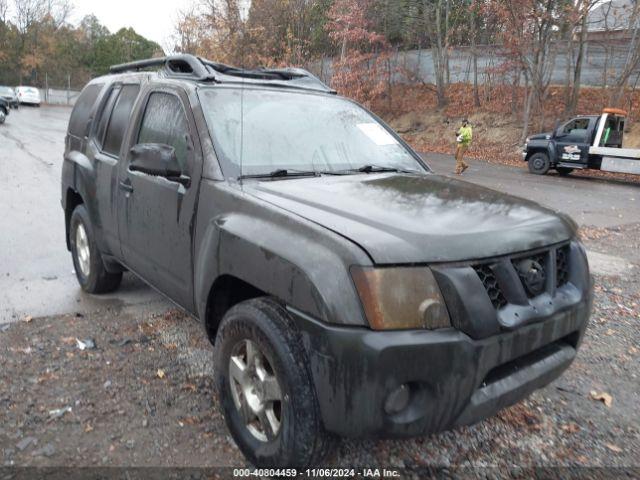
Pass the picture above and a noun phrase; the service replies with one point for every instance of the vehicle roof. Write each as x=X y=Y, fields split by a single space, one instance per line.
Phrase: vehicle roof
x=197 y=71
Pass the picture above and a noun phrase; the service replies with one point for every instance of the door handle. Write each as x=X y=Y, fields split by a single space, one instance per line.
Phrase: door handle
x=126 y=186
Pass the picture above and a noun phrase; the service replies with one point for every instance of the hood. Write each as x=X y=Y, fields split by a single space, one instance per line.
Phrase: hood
x=541 y=136
x=404 y=218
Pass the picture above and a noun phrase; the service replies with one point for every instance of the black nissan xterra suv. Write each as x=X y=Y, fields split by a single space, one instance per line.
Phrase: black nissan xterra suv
x=348 y=290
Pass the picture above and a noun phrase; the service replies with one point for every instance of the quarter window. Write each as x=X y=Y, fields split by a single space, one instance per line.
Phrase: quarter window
x=165 y=122
x=81 y=111
x=119 y=120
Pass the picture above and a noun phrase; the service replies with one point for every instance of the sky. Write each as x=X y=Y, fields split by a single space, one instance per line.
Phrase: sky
x=153 y=19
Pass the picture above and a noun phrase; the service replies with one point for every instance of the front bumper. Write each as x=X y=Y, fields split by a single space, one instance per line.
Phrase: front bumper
x=454 y=380
x=493 y=358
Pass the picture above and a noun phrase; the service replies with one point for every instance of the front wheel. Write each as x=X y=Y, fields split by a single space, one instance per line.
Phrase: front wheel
x=539 y=163
x=265 y=389
x=87 y=259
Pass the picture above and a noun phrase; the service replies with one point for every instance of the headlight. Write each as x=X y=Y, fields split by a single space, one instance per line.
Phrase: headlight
x=397 y=298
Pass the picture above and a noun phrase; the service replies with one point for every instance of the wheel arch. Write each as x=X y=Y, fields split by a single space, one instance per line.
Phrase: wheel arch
x=78 y=175
x=547 y=148
x=71 y=200
x=260 y=256
x=226 y=291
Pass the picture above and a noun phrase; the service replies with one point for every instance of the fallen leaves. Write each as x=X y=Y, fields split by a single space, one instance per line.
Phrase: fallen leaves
x=570 y=427
x=613 y=448
x=603 y=397
x=160 y=373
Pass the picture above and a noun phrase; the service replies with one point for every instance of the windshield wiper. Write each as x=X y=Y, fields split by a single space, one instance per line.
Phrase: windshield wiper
x=283 y=172
x=372 y=169
x=378 y=168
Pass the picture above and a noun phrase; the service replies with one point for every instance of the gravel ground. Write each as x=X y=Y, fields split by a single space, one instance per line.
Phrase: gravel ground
x=143 y=395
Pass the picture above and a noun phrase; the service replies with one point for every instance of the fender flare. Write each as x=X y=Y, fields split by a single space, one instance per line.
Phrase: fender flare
x=302 y=272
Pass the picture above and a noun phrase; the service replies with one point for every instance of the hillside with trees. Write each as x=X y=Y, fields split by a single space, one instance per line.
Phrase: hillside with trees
x=40 y=46
x=525 y=60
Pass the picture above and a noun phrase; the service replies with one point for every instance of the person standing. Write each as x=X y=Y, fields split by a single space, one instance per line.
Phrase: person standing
x=464 y=136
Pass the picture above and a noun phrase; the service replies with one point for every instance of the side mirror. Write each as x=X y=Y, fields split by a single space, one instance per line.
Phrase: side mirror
x=155 y=159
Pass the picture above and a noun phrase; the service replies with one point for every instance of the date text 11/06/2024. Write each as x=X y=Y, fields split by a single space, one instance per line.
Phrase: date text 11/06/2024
x=317 y=472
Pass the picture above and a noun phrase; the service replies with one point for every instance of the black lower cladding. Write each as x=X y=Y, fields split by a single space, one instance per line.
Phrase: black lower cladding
x=455 y=376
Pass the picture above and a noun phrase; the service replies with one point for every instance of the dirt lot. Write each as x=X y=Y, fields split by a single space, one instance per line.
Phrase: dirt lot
x=143 y=396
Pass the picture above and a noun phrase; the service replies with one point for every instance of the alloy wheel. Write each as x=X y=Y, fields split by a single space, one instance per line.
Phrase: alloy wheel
x=82 y=250
x=255 y=390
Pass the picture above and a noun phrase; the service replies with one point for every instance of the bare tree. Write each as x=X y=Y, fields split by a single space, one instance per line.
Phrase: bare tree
x=529 y=30
x=436 y=22
x=632 y=58
x=578 y=20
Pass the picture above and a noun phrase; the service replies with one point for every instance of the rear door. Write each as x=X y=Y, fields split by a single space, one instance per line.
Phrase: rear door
x=572 y=141
x=156 y=214
x=112 y=121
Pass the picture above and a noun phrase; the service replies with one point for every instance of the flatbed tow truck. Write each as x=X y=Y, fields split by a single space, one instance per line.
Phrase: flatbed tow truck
x=584 y=142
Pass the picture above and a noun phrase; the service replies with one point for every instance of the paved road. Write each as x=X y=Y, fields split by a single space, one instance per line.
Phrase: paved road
x=589 y=200
x=36 y=274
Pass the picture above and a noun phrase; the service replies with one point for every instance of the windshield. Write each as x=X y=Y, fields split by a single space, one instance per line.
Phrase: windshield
x=298 y=132
x=6 y=91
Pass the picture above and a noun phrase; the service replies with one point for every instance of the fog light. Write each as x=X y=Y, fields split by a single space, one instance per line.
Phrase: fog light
x=397 y=400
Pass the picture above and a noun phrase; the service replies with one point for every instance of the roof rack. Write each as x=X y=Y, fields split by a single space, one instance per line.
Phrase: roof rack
x=179 y=65
x=200 y=69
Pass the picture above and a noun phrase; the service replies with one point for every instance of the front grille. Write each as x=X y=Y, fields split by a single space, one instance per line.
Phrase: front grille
x=521 y=264
x=540 y=262
x=490 y=283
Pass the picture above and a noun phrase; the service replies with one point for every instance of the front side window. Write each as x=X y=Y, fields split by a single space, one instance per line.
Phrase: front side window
x=164 y=122
x=577 y=128
x=119 y=120
x=260 y=131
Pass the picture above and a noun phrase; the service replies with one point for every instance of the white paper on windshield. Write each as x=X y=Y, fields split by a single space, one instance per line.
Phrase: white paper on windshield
x=377 y=134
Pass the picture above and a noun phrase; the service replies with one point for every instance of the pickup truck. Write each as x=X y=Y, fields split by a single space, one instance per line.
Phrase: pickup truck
x=347 y=289
x=589 y=141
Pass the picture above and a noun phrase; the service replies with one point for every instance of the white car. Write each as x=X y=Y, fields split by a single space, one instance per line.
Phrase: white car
x=28 y=95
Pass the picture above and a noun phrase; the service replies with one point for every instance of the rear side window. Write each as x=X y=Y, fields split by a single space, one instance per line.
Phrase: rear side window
x=78 y=124
x=105 y=114
x=165 y=122
x=119 y=120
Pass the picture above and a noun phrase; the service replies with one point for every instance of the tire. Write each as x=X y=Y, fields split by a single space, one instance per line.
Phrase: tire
x=298 y=438
x=564 y=171
x=539 y=163
x=3 y=116
x=91 y=274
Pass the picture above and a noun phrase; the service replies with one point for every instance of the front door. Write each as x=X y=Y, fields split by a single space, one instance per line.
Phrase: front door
x=572 y=142
x=156 y=213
